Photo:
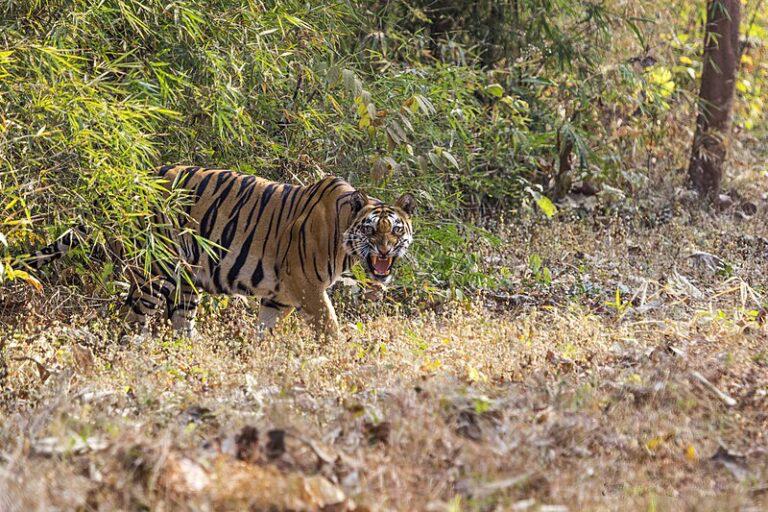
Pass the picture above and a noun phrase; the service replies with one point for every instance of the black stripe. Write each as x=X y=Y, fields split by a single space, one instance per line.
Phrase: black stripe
x=231 y=228
x=234 y=270
x=148 y=304
x=216 y=276
x=246 y=183
x=202 y=186
x=223 y=176
x=208 y=221
x=271 y=303
x=297 y=191
x=242 y=256
x=269 y=231
x=265 y=197
x=164 y=170
x=258 y=275
x=286 y=192
x=330 y=187
x=314 y=264
x=186 y=306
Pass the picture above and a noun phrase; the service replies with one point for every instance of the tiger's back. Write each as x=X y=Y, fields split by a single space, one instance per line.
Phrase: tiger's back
x=262 y=230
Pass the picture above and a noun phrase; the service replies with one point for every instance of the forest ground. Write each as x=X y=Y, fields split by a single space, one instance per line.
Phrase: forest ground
x=556 y=394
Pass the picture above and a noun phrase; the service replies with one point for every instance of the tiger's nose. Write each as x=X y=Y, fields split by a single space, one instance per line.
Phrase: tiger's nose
x=384 y=251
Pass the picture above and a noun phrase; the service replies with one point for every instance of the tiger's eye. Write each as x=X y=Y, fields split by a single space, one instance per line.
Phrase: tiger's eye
x=398 y=230
x=368 y=230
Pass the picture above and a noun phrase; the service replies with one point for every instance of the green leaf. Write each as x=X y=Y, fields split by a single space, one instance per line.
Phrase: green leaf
x=450 y=158
x=495 y=90
x=435 y=160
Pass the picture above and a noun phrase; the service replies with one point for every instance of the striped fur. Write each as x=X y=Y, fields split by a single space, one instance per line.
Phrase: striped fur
x=284 y=243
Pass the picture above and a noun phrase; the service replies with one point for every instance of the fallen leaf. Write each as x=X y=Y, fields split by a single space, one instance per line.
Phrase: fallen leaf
x=198 y=414
x=488 y=488
x=324 y=453
x=708 y=260
x=83 y=357
x=468 y=426
x=41 y=370
x=239 y=486
x=184 y=476
x=76 y=445
x=377 y=433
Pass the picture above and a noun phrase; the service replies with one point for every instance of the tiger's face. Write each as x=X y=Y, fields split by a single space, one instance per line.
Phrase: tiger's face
x=380 y=234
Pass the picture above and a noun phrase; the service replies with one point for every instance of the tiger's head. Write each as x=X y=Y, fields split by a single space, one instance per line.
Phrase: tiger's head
x=380 y=233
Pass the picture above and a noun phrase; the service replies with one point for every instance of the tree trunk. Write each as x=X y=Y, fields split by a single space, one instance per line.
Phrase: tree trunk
x=564 y=166
x=721 y=60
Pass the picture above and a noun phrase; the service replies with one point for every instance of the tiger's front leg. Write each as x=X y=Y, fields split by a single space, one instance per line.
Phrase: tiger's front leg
x=145 y=299
x=182 y=310
x=319 y=311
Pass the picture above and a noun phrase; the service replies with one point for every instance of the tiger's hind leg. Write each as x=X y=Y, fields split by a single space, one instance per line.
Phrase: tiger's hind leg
x=271 y=312
x=144 y=301
x=182 y=310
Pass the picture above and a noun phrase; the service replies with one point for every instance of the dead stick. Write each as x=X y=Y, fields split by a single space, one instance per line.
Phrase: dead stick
x=727 y=400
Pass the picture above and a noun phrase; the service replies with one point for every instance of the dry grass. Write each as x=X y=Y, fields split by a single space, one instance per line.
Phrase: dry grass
x=543 y=397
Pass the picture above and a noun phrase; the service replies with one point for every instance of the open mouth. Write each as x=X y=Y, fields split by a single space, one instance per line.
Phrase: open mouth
x=380 y=267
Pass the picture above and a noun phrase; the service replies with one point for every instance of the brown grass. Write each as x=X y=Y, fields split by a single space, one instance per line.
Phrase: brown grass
x=541 y=397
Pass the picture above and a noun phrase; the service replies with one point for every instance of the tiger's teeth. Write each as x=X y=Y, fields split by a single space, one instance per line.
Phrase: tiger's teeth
x=381 y=266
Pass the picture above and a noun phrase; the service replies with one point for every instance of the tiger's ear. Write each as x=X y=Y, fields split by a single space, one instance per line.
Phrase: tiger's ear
x=357 y=200
x=407 y=203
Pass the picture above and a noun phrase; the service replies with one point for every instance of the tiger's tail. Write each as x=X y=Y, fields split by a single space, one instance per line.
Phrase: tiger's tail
x=69 y=240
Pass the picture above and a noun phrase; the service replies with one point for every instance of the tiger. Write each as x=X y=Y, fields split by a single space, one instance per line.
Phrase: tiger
x=282 y=243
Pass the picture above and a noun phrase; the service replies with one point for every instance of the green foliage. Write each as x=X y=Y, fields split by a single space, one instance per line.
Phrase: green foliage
x=540 y=273
x=465 y=104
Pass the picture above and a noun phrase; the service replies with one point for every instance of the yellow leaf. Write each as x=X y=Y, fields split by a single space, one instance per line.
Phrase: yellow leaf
x=690 y=452
x=24 y=276
x=685 y=60
x=654 y=443
x=475 y=375
x=743 y=86
x=431 y=366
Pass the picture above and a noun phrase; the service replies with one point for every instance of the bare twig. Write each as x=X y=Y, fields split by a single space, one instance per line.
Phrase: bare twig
x=727 y=400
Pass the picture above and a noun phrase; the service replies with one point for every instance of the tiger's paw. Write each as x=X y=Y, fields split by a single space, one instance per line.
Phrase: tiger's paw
x=134 y=339
x=190 y=334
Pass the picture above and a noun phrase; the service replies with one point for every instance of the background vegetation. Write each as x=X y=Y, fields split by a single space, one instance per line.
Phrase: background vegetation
x=477 y=107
